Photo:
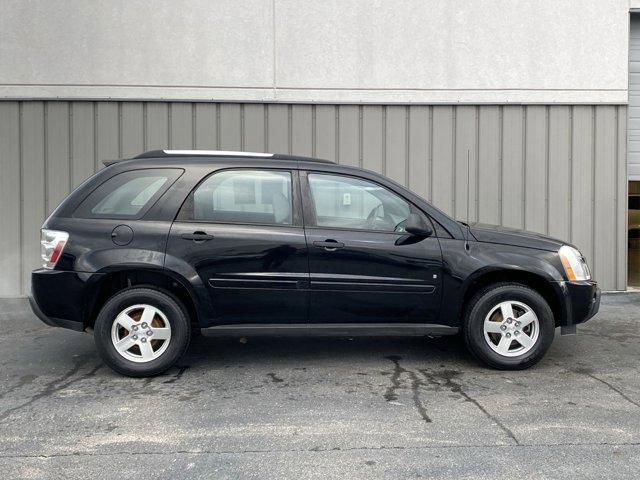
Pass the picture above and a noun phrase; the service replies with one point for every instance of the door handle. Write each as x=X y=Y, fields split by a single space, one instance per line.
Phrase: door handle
x=329 y=245
x=197 y=237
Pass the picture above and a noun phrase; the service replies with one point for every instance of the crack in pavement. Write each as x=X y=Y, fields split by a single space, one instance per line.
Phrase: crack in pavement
x=322 y=450
x=52 y=387
x=615 y=389
x=447 y=377
x=177 y=376
x=24 y=380
x=442 y=379
x=390 y=394
x=274 y=378
x=587 y=372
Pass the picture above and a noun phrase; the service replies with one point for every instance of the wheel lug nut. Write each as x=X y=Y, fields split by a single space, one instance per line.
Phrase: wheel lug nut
x=143 y=339
x=144 y=325
x=503 y=327
x=135 y=337
x=149 y=332
x=509 y=320
x=517 y=324
x=508 y=335
x=135 y=327
x=517 y=332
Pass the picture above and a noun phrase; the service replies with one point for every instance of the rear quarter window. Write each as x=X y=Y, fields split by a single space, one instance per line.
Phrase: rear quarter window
x=127 y=195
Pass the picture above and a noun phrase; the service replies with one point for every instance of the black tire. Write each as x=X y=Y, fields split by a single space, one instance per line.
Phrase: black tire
x=481 y=305
x=176 y=315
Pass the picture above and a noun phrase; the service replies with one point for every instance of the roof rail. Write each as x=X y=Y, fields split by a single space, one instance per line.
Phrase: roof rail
x=108 y=163
x=206 y=153
x=216 y=153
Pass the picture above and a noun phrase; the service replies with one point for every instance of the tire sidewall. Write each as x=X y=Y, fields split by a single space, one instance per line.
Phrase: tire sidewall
x=176 y=316
x=485 y=302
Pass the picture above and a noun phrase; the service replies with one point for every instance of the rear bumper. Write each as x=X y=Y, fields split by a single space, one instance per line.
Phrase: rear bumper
x=52 y=321
x=582 y=301
x=58 y=299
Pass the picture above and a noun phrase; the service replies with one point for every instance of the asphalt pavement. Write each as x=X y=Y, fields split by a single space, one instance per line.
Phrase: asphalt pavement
x=325 y=407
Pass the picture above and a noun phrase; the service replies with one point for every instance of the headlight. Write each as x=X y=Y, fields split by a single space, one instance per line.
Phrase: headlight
x=574 y=263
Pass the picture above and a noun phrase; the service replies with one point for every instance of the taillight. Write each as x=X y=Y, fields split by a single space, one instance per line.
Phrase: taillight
x=52 y=243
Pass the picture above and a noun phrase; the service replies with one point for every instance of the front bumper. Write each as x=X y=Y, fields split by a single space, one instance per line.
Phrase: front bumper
x=582 y=301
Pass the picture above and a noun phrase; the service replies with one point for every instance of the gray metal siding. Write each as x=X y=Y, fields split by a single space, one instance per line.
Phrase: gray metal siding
x=634 y=98
x=559 y=170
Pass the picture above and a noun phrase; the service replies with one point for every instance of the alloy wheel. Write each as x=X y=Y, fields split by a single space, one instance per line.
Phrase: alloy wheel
x=511 y=328
x=141 y=333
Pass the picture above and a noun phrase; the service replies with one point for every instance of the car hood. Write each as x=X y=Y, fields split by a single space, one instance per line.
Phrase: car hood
x=511 y=236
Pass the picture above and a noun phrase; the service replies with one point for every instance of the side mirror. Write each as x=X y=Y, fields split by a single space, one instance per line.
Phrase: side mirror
x=416 y=225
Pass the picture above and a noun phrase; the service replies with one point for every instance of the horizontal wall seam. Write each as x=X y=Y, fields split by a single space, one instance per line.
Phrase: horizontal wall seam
x=285 y=87
x=270 y=100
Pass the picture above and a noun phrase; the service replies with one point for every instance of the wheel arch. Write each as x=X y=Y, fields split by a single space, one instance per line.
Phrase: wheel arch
x=539 y=281
x=116 y=280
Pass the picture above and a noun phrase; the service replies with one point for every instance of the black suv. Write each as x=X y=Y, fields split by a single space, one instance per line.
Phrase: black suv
x=152 y=249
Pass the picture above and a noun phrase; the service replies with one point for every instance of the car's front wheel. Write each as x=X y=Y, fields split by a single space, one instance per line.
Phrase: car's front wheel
x=142 y=332
x=508 y=326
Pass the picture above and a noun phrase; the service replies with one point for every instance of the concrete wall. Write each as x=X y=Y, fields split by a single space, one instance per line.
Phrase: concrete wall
x=558 y=170
x=406 y=51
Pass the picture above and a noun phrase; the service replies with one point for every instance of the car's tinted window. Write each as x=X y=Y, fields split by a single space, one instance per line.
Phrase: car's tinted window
x=128 y=194
x=244 y=196
x=353 y=203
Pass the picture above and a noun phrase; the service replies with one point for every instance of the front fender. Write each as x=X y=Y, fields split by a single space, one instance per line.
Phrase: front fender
x=467 y=267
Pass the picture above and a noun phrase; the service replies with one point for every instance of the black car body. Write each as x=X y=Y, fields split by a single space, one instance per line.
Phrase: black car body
x=279 y=262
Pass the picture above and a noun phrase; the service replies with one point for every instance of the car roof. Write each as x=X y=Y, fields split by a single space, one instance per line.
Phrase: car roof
x=204 y=156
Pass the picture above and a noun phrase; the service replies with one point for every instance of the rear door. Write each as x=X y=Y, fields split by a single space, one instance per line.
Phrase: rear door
x=241 y=231
x=363 y=266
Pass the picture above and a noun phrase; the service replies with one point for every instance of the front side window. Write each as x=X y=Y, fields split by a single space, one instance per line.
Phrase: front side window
x=128 y=194
x=354 y=203
x=244 y=196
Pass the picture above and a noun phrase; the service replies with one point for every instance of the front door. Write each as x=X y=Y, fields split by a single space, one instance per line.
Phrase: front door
x=241 y=232
x=363 y=266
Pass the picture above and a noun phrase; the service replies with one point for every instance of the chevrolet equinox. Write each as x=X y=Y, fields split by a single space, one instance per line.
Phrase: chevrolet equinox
x=150 y=250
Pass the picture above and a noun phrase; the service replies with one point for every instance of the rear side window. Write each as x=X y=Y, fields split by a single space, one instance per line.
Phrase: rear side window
x=242 y=196
x=127 y=195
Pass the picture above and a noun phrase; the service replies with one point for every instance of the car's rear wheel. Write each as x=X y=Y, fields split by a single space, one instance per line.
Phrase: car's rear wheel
x=142 y=332
x=508 y=326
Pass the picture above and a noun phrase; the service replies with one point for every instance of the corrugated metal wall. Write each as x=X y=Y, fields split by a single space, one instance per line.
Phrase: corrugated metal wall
x=559 y=170
x=634 y=99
